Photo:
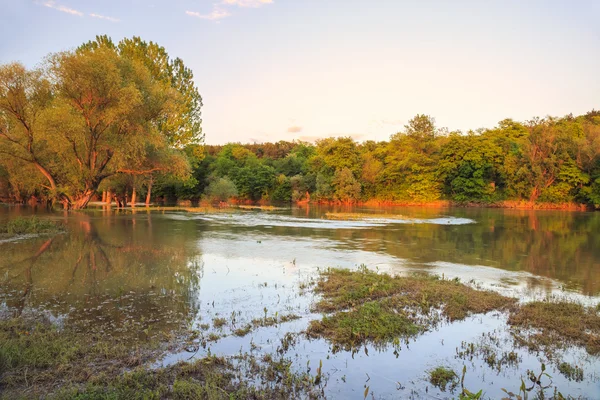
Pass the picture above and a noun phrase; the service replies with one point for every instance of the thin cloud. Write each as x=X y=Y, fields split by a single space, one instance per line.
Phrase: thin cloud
x=294 y=129
x=216 y=14
x=65 y=9
x=247 y=3
x=111 y=19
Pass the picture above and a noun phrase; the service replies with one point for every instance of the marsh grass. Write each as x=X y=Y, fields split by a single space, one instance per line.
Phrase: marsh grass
x=441 y=377
x=574 y=373
x=35 y=354
x=366 y=306
x=28 y=225
x=552 y=324
x=38 y=360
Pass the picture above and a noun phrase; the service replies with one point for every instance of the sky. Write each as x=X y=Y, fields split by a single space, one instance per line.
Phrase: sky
x=272 y=70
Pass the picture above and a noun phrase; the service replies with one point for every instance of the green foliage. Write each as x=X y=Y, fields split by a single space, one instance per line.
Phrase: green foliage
x=93 y=114
x=149 y=134
x=221 y=189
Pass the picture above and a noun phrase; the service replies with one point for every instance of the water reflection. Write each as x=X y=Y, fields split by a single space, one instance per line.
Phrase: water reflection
x=107 y=271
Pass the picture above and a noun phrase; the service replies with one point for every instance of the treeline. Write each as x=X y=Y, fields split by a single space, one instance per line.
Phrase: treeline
x=550 y=160
x=124 y=119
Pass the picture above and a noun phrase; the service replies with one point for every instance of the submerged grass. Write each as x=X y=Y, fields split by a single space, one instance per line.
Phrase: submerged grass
x=28 y=225
x=550 y=324
x=38 y=360
x=368 y=306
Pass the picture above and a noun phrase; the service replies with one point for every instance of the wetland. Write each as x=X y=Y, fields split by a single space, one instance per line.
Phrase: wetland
x=306 y=302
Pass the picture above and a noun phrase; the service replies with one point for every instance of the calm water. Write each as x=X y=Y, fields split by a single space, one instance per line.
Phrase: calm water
x=146 y=273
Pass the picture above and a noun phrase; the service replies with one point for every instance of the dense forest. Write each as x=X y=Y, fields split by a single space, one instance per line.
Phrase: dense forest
x=550 y=160
x=119 y=120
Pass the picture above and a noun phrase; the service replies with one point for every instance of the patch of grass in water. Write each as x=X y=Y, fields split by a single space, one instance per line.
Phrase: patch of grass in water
x=37 y=360
x=368 y=306
x=441 y=377
x=555 y=323
x=371 y=321
x=573 y=373
x=219 y=322
x=342 y=289
x=243 y=331
x=28 y=225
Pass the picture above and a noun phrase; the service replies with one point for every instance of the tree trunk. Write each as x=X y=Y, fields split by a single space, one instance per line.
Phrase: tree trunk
x=109 y=198
x=82 y=200
x=133 y=197
x=149 y=193
x=125 y=199
x=104 y=196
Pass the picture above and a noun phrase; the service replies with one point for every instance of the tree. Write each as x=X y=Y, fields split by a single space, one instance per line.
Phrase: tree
x=347 y=188
x=99 y=111
x=412 y=157
x=221 y=189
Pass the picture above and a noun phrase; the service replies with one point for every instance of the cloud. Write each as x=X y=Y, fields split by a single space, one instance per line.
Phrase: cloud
x=216 y=14
x=52 y=4
x=294 y=129
x=247 y=3
x=111 y=19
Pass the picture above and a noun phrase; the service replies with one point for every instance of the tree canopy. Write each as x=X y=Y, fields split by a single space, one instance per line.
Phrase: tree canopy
x=96 y=113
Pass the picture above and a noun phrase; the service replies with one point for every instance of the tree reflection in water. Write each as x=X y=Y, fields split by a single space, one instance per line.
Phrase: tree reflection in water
x=110 y=273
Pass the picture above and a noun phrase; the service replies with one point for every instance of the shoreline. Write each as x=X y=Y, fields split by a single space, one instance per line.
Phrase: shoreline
x=505 y=204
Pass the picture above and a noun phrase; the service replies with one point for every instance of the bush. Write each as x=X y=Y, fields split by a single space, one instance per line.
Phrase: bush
x=221 y=190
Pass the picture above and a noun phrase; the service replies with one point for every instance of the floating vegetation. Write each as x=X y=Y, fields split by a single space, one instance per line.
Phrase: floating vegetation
x=441 y=377
x=548 y=325
x=367 y=306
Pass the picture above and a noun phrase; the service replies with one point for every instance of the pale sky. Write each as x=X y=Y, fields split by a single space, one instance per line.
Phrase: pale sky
x=273 y=70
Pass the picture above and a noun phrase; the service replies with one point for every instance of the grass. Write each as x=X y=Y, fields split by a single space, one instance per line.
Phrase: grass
x=28 y=225
x=367 y=306
x=38 y=360
x=441 y=377
x=372 y=321
x=549 y=324
x=36 y=353
x=219 y=322
x=573 y=373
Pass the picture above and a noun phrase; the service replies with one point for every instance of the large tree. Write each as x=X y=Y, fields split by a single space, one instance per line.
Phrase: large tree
x=99 y=111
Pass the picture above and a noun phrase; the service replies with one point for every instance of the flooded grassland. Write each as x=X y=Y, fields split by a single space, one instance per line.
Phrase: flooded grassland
x=302 y=303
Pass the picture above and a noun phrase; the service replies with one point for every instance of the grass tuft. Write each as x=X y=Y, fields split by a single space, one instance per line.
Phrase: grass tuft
x=554 y=323
x=441 y=377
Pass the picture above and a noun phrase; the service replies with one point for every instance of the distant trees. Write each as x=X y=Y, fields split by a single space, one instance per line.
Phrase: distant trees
x=97 y=113
x=125 y=118
x=543 y=160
